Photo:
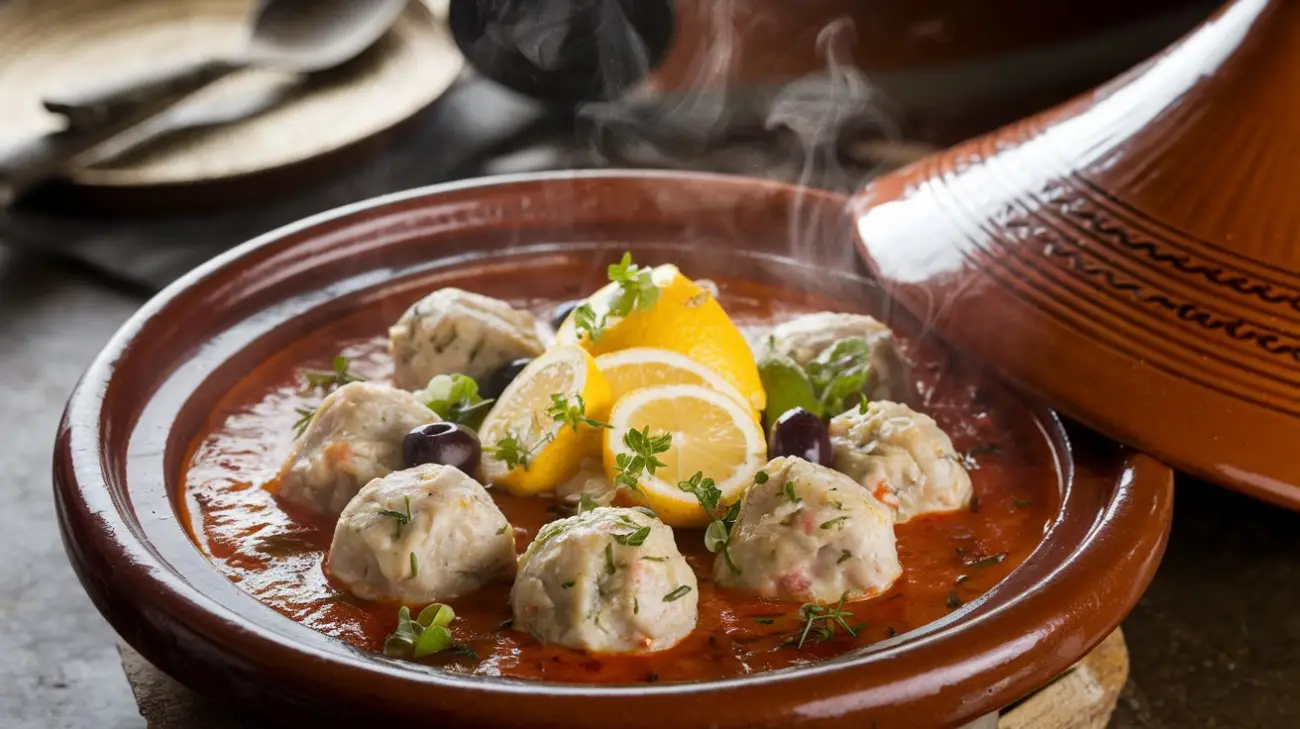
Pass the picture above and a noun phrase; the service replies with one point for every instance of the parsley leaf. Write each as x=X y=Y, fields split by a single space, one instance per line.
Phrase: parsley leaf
x=586 y=503
x=642 y=459
x=789 y=493
x=338 y=376
x=839 y=373
x=704 y=490
x=718 y=534
x=403 y=518
x=455 y=399
x=837 y=521
x=572 y=415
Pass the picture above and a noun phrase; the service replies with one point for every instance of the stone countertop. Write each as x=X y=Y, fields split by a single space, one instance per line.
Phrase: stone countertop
x=1214 y=643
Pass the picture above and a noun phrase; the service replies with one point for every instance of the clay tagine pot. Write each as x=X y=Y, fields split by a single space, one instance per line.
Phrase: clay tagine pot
x=1132 y=256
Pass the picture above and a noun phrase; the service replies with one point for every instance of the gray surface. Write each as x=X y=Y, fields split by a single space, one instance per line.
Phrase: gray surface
x=1214 y=643
x=58 y=664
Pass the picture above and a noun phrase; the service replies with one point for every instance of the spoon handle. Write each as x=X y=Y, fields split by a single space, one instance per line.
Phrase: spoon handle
x=157 y=88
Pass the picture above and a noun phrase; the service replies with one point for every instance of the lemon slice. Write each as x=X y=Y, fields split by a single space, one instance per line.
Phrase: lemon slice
x=525 y=449
x=632 y=369
x=685 y=319
x=711 y=433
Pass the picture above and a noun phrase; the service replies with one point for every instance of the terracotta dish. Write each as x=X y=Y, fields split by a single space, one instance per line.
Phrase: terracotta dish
x=139 y=469
x=1130 y=256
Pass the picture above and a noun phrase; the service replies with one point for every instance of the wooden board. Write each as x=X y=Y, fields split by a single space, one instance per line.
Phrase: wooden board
x=1082 y=698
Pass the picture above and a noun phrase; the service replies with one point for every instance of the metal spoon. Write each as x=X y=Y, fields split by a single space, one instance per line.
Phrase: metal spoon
x=300 y=36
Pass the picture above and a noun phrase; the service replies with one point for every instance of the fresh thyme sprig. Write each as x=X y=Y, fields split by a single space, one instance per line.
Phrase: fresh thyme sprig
x=304 y=419
x=513 y=452
x=828 y=617
x=642 y=459
x=572 y=415
x=338 y=376
x=636 y=292
x=717 y=536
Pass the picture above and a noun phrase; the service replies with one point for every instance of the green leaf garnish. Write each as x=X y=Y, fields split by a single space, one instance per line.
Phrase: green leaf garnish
x=839 y=373
x=676 y=593
x=789 y=493
x=652 y=558
x=787 y=387
x=511 y=451
x=455 y=399
x=304 y=419
x=585 y=320
x=338 y=376
x=637 y=290
x=1023 y=503
x=837 y=521
x=572 y=415
x=633 y=539
x=705 y=492
x=760 y=477
x=586 y=503
x=820 y=621
x=415 y=567
x=402 y=518
x=845 y=555
x=610 y=567
x=423 y=636
x=567 y=585
x=642 y=459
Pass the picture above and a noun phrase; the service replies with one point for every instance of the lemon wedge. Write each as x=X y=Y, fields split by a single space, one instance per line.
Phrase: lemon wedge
x=632 y=369
x=710 y=433
x=526 y=449
x=685 y=319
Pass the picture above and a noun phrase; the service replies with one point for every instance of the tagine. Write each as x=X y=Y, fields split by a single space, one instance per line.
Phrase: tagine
x=669 y=480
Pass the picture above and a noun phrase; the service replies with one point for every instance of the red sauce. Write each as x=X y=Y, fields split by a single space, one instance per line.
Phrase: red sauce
x=276 y=554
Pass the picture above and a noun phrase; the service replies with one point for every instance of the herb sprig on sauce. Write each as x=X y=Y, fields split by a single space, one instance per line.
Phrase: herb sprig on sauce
x=337 y=376
x=424 y=635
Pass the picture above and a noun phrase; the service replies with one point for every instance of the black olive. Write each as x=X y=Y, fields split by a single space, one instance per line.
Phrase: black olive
x=499 y=380
x=801 y=434
x=444 y=443
x=562 y=311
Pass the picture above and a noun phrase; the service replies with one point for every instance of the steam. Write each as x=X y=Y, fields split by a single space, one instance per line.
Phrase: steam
x=803 y=130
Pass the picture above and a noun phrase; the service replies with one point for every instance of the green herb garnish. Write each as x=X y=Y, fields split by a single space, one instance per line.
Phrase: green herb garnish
x=586 y=503
x=402 y=518
x=633 y=539
x=304 y=419
x=610 y=567
x=1022 y=503
x=503 y=529
x=425 y=635
x=839 y=373
x=637 y=290
x=567 y=585
x=655 y=559
x=980 y=564
x=455 y=399
x=642 y=459
x=820 y=621
x=415 y=566
x=512 y=452
x=845 y=555
x=789 y=493
x=764 y=621
x=572 y=415
x=954 y=601
x=585 y=320
x=718 y=534
x=337 y=376
x=678 y=592
x=760 y=477
x=837 y=521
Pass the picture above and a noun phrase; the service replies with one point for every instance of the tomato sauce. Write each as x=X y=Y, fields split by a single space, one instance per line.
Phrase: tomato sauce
x=276 y=553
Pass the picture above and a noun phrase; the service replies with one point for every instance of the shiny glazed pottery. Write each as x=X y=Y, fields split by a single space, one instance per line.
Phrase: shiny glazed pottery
x=1132 y=256
x=122 y=446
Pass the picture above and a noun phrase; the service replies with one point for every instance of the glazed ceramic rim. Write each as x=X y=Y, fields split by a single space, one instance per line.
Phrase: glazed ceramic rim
x=1079 y=601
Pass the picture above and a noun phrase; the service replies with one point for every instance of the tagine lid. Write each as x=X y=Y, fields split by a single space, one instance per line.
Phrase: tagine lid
x=1132 y=256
